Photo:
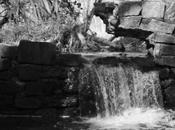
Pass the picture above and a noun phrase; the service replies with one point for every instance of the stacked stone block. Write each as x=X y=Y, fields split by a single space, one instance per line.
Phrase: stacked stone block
x=152 y=21
x=31 y=79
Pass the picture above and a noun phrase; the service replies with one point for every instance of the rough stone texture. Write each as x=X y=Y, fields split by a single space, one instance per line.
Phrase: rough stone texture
x=169 y=96
x=130 y=8
x=162 y=38
x=7 y=51
x=170 y=12
x=153 y=9
x=166 y=61
x=36 y=52
x=132 y=22
x=61 y=102
x=164 y=50
x=157 y=26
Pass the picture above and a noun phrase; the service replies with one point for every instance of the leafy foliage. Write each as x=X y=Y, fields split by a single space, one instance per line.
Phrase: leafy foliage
x=40 y=20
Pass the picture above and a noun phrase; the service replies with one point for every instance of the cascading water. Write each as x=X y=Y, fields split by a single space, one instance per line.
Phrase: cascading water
x=123 y=87
x=125 y=97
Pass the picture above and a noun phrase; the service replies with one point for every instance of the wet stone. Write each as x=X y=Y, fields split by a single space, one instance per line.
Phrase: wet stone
x=169 y=96
x=39 y=88
x=5 y=75
x=59 y=101
x=27 y=102
x=9 y=88
x=29 y=72
x=6 y=101
x=36 y=52
x=5 y=64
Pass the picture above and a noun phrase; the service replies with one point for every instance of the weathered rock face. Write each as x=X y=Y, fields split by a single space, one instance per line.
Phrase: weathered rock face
x=147 y=20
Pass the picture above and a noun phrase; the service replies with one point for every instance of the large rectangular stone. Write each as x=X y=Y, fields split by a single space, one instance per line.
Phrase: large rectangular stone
x=166 y=60
x=29 y=72
x=5 y=64
x=153 y=9
x=36 y=52
x=27 y=102
x=162 y=38
x=157 y=26
x=164 y=50
x=130 y=8
x=130 y=22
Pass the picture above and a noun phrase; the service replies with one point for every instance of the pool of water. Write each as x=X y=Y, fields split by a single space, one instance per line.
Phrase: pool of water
x=136 y=119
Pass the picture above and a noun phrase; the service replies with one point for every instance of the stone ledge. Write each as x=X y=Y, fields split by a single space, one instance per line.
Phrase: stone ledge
x=36 y=52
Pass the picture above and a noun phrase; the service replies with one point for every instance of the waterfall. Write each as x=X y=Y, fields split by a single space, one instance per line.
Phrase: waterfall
x=125 y=97
x=121 y=87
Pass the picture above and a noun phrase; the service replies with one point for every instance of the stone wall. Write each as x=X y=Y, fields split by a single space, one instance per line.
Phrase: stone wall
x=32 y=80
x=35 y=79
x=146 y=20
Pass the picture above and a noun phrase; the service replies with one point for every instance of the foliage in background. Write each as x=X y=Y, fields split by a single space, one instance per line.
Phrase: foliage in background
x=40 y=20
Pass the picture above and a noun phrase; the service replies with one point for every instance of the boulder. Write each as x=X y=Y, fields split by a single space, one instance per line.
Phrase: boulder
x=43 y=53
x=153 y=9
